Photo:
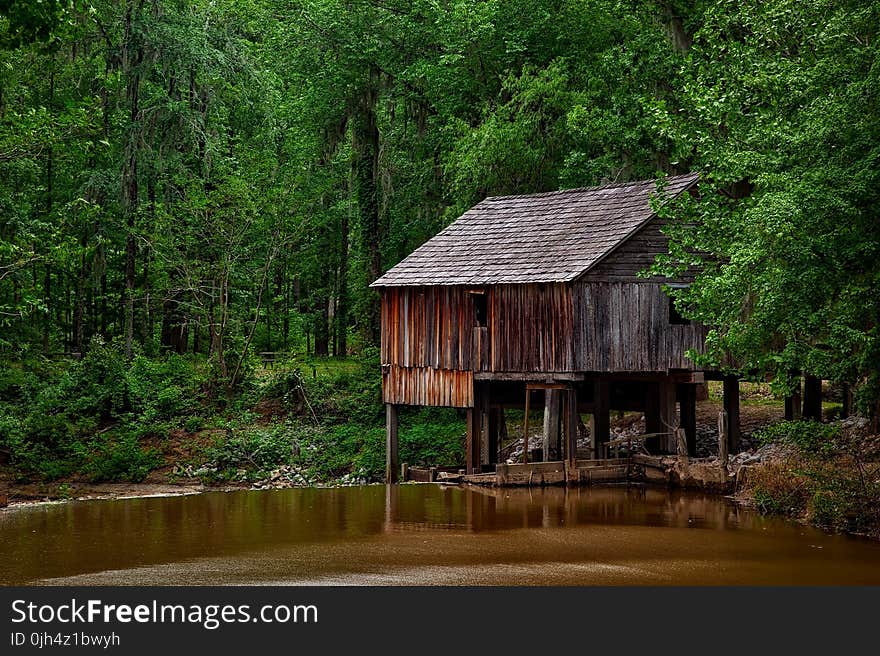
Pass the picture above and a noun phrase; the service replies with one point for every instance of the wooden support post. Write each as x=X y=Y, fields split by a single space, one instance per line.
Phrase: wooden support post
x=688 y=403
x=485 y=448
x=391 y=448
x=551 y=421
x=723 y=437
x=600 y=420
x=793 y=402
x=681 y=445
x=570 y=423
x=731 y=407
x=526 y=428
x=812 y=398
x=496 y=419
x=667 y=419
x=474 y=438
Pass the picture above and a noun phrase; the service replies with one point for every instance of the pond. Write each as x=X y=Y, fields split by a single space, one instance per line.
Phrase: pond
x=423 y=534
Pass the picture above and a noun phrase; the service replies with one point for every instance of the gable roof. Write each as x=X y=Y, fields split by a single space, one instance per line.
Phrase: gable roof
x=550 y=237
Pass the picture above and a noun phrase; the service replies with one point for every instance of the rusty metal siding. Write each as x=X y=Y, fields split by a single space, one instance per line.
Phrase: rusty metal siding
x=624 y=326
x=427 y=386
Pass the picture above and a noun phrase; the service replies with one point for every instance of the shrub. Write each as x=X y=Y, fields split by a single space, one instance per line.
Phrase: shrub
x=252 y=450
x=809 y=437
x=120 y=458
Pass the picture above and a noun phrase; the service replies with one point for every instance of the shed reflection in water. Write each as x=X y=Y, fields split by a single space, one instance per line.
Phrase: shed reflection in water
x=424 y=534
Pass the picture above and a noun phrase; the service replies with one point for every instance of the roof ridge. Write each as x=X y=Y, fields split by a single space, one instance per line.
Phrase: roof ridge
x=466 y=250
x=611 y=185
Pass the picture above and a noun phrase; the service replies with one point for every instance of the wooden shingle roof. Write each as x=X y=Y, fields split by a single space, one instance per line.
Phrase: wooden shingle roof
x=549 y=237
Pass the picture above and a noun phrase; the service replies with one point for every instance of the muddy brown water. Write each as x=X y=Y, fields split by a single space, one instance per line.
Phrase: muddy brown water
x=423 y=534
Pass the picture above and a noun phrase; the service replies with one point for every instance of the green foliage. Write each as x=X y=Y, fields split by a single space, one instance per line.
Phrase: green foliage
x=432 y=437
x=242 y=170
x=254 y=450
x=831 y=479
x=119 y=458
x=810 y=437
x=352 y=394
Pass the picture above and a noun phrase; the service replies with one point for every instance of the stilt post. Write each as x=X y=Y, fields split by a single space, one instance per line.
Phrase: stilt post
x=526 y=428
x=551 y=421
x=570 y=422
x=474 y=431
x=668 y=420
x=723 y=436
x=731 y=407
x=812 y=398
x=688 y=403
x=391 y=446
x=600 y=420
x=495 y=419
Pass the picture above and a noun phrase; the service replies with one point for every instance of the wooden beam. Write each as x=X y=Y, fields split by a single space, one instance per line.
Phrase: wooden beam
x=570 y=424
x=688 y=403
x=600 y=420
x=391 y=444
x=812 y=398
x=666 y=415
x=526 y=428
x=539 y=377
x=731 y=407
x=472 y=445
x=496 y=419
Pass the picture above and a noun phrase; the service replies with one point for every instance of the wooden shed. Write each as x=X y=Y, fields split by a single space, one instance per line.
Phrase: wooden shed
x=542 y=292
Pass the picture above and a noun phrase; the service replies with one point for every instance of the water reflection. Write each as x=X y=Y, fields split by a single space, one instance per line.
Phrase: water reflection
x=423 y=534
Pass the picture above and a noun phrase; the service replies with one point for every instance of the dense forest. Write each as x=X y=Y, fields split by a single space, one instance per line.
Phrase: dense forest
x=188 y=184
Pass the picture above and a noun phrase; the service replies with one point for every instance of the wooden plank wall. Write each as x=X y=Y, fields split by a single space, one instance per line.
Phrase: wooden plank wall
x=531 y=327
x=634 y=255
x=427 y=327
x=624 y=326
x=428 y=386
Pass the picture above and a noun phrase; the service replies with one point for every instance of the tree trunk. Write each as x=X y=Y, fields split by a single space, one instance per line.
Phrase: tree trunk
x=340 y=316
x=322 y=332
x=366 y=169
x=131 y=59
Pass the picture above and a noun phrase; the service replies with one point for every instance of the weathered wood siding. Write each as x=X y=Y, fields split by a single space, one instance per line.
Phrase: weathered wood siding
x=431 y=344
x=624 y=326
x=634 y=255
x=528 y=328
x=428 y=386
x=531 y=328
x=427 y=327
x=427 y=346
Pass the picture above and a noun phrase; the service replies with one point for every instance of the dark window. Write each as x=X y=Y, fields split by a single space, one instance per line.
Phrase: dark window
x=481 y=311
x=675 y=317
